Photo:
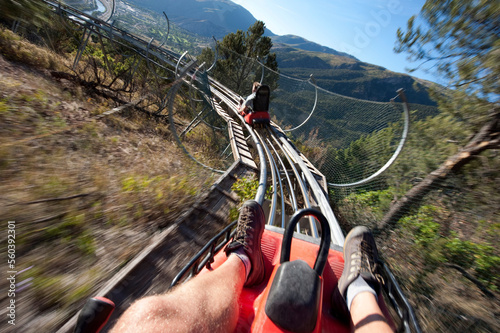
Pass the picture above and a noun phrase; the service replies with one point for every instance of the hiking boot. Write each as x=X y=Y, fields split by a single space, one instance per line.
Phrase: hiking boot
x=360 y=259
x=248 y=238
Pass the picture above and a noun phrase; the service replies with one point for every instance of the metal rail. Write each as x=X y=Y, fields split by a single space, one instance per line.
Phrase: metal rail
x=406 y=112
x=111 y=32
x=301 y=185
x=312 y=82
x=309 y=189
x=274 y=149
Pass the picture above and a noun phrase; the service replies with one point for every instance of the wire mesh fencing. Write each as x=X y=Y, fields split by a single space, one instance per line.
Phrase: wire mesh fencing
x=448 y=229
x=436 y=224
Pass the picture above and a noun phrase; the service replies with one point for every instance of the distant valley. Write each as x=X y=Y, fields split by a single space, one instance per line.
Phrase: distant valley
x=204 y=17
x=335 y=71
x=348 y=76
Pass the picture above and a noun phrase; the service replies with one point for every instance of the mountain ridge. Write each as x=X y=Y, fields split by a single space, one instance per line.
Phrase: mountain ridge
x=334 y=70
x=205 y=17
x=307 y=45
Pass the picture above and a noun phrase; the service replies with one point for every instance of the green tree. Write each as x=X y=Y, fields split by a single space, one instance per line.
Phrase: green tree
x=460 y=40
x=236 y=66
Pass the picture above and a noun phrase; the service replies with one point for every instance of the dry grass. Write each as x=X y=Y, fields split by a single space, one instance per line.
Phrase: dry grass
x=15 y=48
x=207 y=146
x=132 y=179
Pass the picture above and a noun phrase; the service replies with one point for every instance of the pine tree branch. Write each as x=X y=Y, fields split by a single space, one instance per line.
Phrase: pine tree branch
x=488 y=137
x=472 y=279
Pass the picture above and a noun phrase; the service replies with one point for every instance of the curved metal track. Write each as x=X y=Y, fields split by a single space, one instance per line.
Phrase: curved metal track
x=313 y=83
x=295 y=183
x=399 y=148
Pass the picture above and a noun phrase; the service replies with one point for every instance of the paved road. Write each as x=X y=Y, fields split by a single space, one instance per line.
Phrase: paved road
x=108 y=4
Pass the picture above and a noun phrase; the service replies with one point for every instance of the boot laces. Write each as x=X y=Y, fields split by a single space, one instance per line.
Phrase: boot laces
x=368 y=261
x=242 y=235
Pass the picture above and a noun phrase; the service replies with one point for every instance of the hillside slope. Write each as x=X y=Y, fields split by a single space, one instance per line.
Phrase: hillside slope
x=335 y=71
x=306 y=45
x=77 y=186
x=348 y=76
x=206 y=18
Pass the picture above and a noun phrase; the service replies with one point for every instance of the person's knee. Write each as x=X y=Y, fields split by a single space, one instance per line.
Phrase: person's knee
x=152 y=305
x=148 y=307
x=135 y=317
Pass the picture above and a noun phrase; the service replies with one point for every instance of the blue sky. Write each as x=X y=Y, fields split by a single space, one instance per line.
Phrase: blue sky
x=363 y=28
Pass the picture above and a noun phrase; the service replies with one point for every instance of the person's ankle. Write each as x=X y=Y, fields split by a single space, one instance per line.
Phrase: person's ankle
x=247 y=240
x=245 y=260
x=356 y=287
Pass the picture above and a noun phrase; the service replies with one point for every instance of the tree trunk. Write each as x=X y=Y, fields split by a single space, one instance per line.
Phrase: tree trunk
x=487 y=137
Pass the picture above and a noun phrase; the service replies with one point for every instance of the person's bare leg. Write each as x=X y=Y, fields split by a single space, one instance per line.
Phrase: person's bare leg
x=366 y=314
x=207 y=303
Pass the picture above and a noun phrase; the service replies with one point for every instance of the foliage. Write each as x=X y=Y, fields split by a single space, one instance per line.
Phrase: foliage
x=245 y=188
x=364 y=207
x=237 y=68
x=479 y=257
x=457 y=221
x=151 y=197
x=36 y=21
x=460 y=39
x=423 y=226
x=378 y=200
x=312 y=147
